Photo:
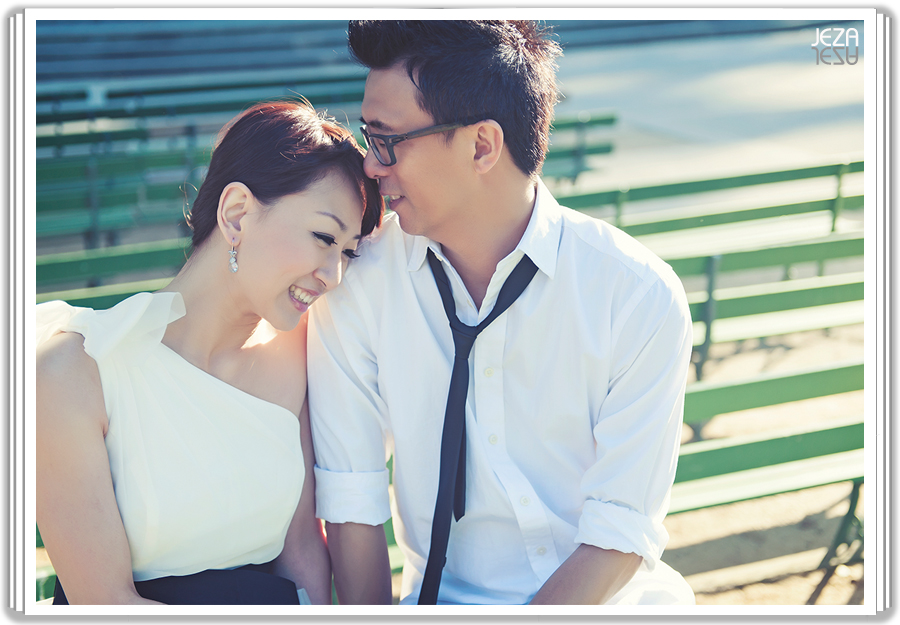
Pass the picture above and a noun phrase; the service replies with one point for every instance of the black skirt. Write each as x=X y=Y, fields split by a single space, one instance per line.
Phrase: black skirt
x=243 y=586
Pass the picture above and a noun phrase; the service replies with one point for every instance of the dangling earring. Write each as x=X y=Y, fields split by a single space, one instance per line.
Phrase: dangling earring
x=232 y=260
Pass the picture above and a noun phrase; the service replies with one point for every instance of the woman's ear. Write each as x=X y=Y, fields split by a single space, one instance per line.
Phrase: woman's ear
x=234 y=203
x=488 y=145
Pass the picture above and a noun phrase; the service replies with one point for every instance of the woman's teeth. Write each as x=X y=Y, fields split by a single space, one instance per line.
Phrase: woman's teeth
x=301 y=295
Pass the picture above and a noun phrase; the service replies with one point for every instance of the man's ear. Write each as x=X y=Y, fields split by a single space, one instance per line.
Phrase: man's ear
x=488 y=145
x=234 y=203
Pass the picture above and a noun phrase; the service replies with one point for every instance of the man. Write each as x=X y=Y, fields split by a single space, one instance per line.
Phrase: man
x=571 y=411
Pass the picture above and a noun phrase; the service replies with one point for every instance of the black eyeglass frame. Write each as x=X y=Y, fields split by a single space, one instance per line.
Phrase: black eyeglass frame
x=391 y=140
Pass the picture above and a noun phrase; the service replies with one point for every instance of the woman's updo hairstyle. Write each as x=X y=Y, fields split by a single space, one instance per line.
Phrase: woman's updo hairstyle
x=278 y=149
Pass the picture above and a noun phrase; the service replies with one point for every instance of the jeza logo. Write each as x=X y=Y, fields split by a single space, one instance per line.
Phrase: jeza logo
x=840 y=46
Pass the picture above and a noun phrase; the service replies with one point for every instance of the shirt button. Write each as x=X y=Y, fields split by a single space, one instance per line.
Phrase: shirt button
x=489 y=372
x=525 y=501
x=493 y=439
x=541 y=551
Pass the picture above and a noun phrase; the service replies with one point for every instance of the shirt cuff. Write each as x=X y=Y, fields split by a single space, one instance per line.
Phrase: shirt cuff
x=611 y=526
x=352 y=497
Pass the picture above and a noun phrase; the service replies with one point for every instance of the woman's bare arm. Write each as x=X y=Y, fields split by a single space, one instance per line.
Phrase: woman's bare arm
x=76 y=505
x=305 y=557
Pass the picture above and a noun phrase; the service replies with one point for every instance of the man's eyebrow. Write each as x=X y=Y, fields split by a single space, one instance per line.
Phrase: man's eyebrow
x=340 y=223
x=376 y=124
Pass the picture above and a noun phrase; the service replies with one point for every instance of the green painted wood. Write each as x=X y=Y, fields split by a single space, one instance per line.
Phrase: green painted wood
x=45 y=580
x=395 y=555
x=101 y=297
x=728 y=217
x=122 y=192
x=779 y=296
x=119 y=164
x=841 y=245
x=789 y=300
x=555 y=154
x=788 y=321
x=585 y=119
x=718 y=457
x=731 y=182
x=76 y=222
x=49 y=93
x=201 y=102
x=107 y=219
x=60 y=140
x=766 y=325
x=704 y=400
x=766 y=481
x=604 y=198
x=109 y=261
x=77 y=168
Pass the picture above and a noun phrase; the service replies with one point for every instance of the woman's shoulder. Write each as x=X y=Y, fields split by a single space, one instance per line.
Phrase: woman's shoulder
x=68 y=378
x=60 y=353
x=136 y=322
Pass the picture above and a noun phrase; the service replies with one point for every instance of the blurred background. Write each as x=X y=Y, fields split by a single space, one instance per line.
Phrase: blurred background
x=730 y=148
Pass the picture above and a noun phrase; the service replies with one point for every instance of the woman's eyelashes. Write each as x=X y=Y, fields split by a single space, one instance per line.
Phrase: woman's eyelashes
x=329 y=240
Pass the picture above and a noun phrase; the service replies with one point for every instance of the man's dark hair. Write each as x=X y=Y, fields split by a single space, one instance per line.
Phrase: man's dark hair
x=469 y=70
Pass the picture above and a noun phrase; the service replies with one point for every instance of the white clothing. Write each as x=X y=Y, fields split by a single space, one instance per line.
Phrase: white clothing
x=206 y=476
x=573 y=414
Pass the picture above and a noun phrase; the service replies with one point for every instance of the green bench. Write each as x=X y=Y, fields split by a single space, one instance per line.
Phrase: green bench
x=769 y=309
x=112 y=188
x=721 y=471
x=573 y=140
x=653 y=222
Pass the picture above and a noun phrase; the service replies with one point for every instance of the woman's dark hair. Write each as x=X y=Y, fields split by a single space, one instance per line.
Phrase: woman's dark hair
x=277 y=149
x=503 y=70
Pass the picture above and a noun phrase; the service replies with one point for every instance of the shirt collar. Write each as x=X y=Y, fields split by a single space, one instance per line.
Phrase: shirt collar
x=540 y=241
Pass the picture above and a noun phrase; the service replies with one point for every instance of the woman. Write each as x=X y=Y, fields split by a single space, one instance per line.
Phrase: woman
x=174 y=460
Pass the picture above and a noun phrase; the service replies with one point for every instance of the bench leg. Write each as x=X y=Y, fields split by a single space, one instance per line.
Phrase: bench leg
x=849 y=538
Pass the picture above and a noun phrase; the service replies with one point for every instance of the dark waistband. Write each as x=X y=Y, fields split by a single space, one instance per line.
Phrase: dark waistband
x=243 y=586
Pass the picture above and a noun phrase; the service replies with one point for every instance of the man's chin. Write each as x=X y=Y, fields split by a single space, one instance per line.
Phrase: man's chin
x=408 y=224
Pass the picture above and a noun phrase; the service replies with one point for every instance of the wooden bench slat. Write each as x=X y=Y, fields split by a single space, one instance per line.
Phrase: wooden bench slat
x=784 y=295
x=602 y=198
x=765 y=481
x=728 y=217
x=784 y=322
x=704 y=400
x=740 y=453
x=100 y=297
x=108 y=261
x=838 y=245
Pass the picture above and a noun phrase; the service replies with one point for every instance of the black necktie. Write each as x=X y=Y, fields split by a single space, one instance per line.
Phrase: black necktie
x=451 y=496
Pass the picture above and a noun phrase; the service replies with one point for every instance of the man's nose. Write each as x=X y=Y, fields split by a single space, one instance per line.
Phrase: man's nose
x=373 y=167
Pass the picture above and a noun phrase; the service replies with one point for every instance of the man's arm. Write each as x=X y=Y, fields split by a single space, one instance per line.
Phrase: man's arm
x=359 y=559
x=590 y=576
x=637 y=434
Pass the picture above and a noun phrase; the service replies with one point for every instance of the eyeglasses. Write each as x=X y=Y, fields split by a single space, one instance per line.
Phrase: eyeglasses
x=383 y=145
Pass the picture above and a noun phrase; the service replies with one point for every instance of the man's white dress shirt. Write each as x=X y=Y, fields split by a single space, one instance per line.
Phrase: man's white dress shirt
x=573 y=415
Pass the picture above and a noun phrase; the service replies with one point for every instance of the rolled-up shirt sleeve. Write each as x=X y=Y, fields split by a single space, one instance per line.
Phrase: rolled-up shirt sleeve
x=346 y=413
x=638 y=429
